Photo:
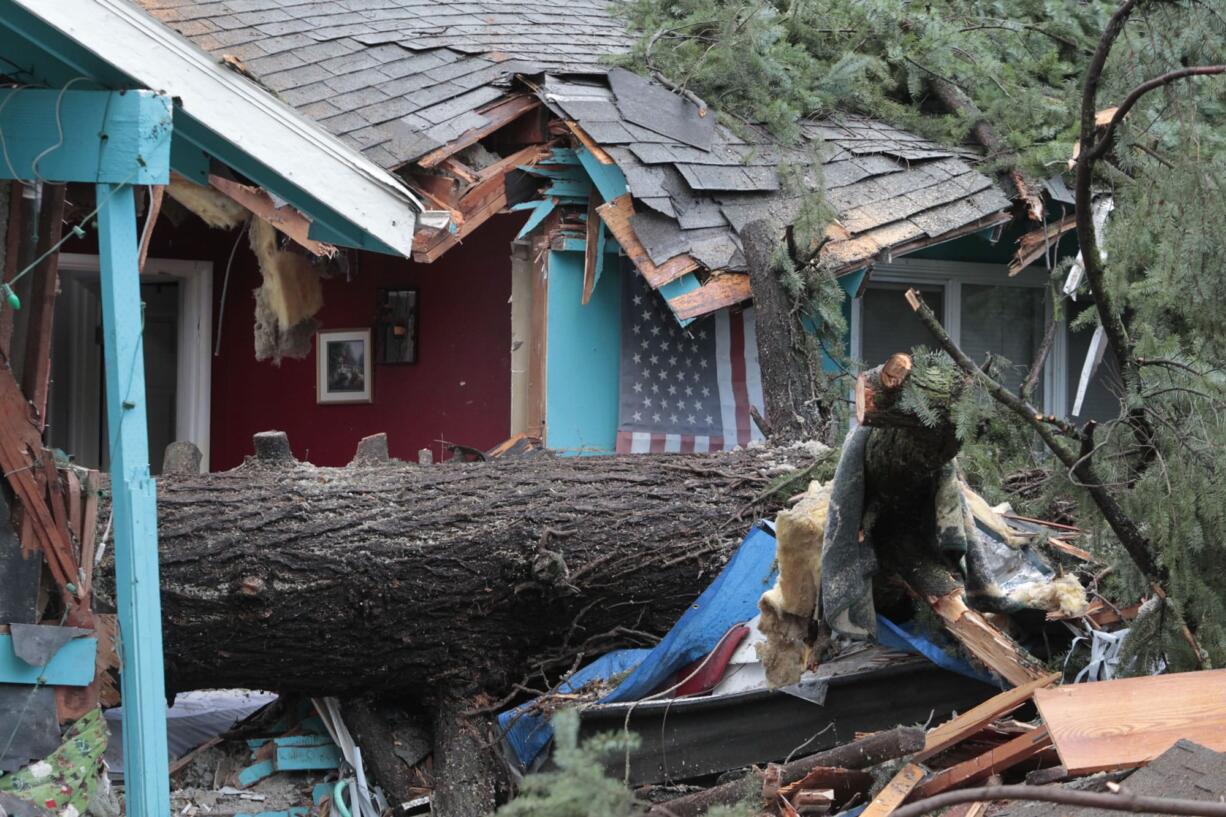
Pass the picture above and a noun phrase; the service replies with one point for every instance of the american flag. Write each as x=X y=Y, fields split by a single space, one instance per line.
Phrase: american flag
x=685 y=390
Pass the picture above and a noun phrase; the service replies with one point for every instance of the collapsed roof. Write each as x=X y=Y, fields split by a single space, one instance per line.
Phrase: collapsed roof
x=418 y=85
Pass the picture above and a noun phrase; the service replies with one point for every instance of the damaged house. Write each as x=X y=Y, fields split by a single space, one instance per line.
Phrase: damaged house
x=585 y=225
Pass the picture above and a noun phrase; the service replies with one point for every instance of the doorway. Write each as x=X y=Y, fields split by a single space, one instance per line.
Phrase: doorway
x=177 y=304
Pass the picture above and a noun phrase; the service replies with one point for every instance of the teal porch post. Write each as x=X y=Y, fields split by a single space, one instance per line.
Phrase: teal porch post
x=146 y=774
x=115 y=140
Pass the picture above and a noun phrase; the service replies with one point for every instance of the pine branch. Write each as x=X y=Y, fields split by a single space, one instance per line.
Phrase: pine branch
x=1080 y=464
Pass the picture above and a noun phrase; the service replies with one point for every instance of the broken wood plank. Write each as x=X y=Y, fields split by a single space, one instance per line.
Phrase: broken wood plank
x=1003 y=757
x=844 y=783
x=1128 y=722
x=433 y=245
x=501 y=113
x=593 y=250
x=972 y=721
x=156 y=195
x=1032 y=246
x=285 y=219
x=36 y=376
x=895 y=792
x=995 y=649
x=616 y=215
x=721 y=290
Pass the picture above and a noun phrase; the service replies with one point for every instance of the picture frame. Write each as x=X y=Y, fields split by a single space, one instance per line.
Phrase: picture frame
x=397 y=326
x=343 y=370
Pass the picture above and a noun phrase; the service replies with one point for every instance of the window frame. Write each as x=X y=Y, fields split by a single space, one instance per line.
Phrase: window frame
x=950 y=276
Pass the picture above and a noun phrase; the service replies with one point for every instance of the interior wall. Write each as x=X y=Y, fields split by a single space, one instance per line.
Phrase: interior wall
x=459 y=390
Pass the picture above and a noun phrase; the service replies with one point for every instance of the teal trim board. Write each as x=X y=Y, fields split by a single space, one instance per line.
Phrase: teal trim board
x=86 y=136
x=609 y=180
x=71 y=666
x=583 y=357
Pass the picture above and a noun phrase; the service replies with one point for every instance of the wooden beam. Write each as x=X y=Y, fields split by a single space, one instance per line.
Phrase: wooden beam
x=995 y=649
x=12 y=250
x=136 y=126
x=501 y=113
x=1126 y=723
x=968 y=723
x=720 y=291
x=284 y=218
x=36 y=374
x=616 y=215
x=1035 y=243
x=999 y=759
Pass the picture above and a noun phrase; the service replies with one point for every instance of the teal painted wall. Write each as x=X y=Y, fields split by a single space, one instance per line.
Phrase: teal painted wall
x=583 y=357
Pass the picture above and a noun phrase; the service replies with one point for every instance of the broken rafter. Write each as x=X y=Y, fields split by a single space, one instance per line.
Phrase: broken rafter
x=501 y=113
x=616 y=215
x=285 y=218
x=588 y=142
x=156 y=195
x=721 y=290
x=1034 y=244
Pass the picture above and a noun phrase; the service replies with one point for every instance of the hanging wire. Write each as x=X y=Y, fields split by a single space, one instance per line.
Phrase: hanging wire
x=59 y=126
x=225 y=285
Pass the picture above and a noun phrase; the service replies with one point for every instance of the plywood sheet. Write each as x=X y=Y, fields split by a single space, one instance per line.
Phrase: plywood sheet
x=1127 y=723
x=718 y=292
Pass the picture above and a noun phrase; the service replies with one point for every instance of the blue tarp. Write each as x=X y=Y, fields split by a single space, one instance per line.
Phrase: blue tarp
x=729 y=600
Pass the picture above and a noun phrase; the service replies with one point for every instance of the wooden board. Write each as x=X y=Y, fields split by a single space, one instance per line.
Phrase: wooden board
x=1126 y=723
x=968 y=723
x=616 y=215
x=501 y=112
x=719 y=291
x=895 y=792
x=1003 y=757
x=995 y=649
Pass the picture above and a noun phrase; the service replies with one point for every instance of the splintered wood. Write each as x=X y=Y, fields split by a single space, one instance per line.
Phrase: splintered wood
x=996 y=650
x=1129 y=722
x=721 y=290
x=616 y=215
x=1006 y=756
x=974 y=720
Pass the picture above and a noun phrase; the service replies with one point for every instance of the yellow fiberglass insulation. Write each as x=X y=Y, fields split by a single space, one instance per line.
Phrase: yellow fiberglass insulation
x=1064 y=595
x=789 y=606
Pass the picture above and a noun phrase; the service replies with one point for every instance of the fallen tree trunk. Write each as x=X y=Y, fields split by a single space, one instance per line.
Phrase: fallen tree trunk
x=465 y=578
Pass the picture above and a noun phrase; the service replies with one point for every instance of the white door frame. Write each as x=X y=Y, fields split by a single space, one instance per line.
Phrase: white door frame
x=194 y=381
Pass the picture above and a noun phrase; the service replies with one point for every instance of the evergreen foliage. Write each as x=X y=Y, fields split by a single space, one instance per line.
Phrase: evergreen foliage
x=1022 y=65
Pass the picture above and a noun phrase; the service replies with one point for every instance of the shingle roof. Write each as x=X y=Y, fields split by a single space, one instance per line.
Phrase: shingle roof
x=397 y=78
x=889 y=187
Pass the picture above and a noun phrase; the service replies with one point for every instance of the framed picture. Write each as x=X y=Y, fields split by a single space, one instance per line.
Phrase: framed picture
x=397 y=326
x=343 y=370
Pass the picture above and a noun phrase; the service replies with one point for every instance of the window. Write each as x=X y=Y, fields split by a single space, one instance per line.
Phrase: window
x=984 y=310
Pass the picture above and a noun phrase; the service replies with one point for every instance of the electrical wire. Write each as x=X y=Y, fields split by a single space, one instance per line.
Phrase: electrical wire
x=225 y=285
x=59 y=125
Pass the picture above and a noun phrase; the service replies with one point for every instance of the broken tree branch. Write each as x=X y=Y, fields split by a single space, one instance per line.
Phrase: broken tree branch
x=1124 y=801
x=1079 y=463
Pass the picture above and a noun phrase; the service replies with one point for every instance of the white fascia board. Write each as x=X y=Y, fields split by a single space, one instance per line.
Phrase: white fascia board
x=242 y=113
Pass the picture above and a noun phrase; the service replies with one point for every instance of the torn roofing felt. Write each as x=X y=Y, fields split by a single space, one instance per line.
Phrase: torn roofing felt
x=400 y=79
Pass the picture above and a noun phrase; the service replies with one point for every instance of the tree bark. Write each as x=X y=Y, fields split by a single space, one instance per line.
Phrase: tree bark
x=790 y=362
x=409 y=579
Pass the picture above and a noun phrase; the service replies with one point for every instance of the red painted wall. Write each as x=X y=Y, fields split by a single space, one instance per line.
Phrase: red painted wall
x=459 y=390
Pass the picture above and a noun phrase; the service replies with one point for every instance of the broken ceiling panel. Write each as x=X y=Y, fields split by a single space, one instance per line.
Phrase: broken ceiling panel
x=655 y=107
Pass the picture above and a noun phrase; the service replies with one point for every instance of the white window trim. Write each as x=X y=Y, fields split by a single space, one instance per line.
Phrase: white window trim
x=194 y=384
x=950 y=276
